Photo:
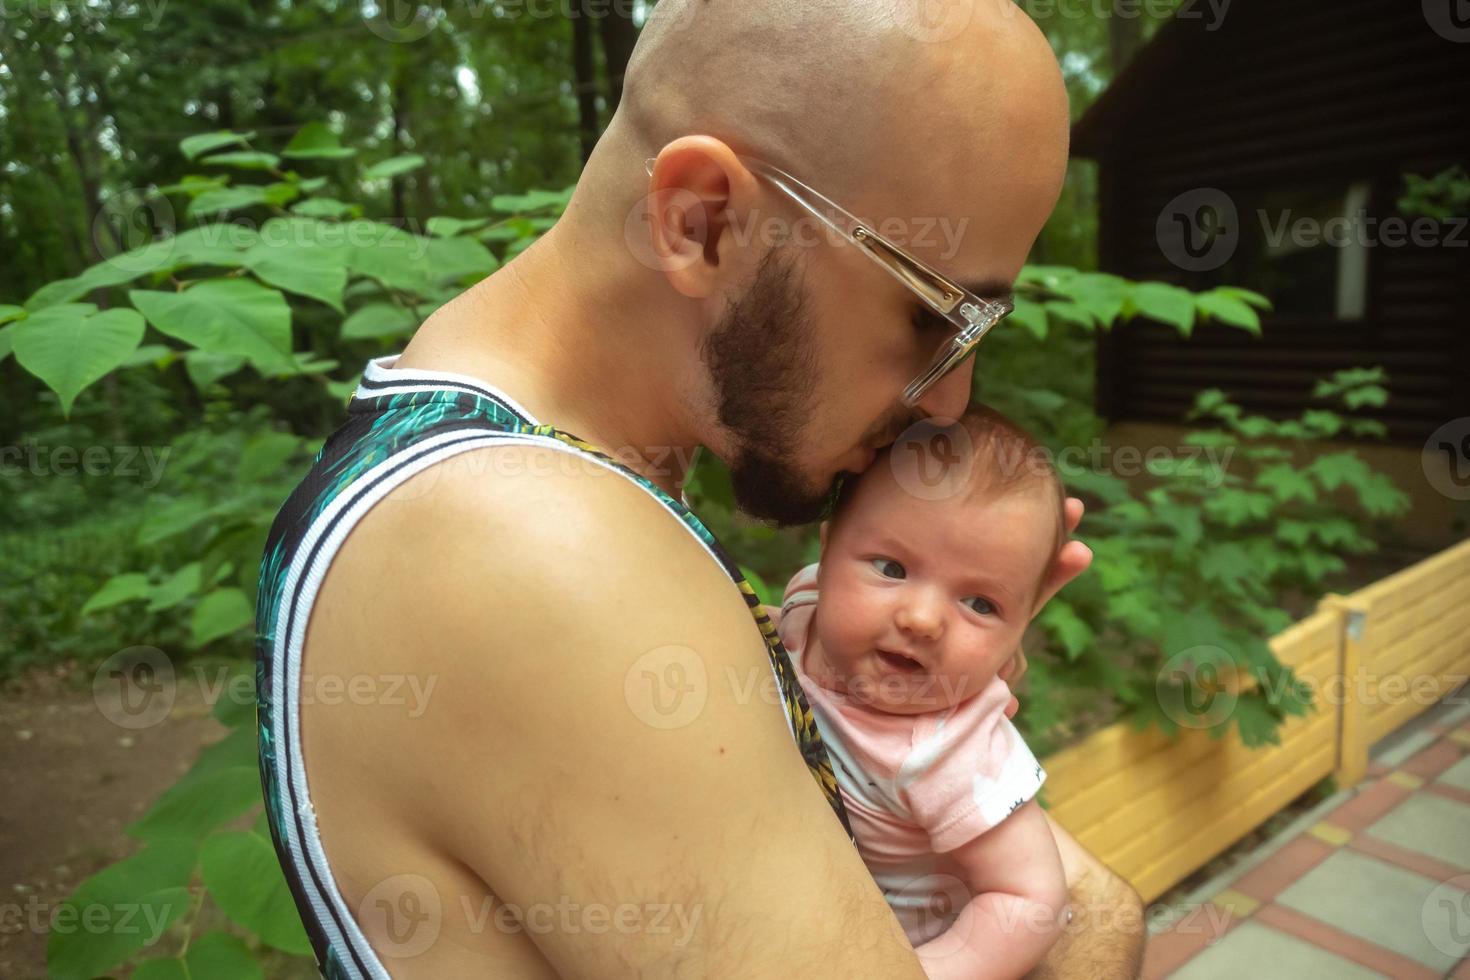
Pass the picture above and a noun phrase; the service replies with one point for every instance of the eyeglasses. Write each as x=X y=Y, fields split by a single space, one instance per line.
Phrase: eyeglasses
x=972 y=316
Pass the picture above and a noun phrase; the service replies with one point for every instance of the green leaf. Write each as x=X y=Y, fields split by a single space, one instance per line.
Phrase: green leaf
x=1370 y=396
x=222 y=612
x=244 y=159
x=1322 y=423
x=315 y=141
x=1287 y=483
x=119 y=589
x=281 y=194
x=206 y=367
x=377 y=320
x=1257 y=723
x=1229 y=309
x=221 y=956
x=1166 y=304
x=193 y=146
x=1332 y=470
x=8 y=313
x=452 y=259
x=1236 y=507
x=88 y=934
x=1246 y=296
x=1380 y=497
x=1294 y=533
x=324 y=207
x=531 y=201
x=1100 y=294
x=1032 y=316
x=226 y=199
x=393 y=166
x=172 y=518
x=1075 y=636
x=1226 y=564
x=307 y=271
x=194 y=185
x=390 y=255
x=165 y=968
x=176 y=588
x=59 y=292
x=244 y=878
x=441 y=227
x=196 y=808
x=264 y=456
x=1069 y=312
x=220 y=244
x=226 y=316
x=69 y=353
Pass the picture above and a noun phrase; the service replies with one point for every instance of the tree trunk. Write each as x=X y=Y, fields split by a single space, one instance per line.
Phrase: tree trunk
x=618 y=37
x=399 y=126
x=585 y=75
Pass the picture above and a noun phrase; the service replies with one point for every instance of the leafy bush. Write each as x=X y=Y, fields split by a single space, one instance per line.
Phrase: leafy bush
x=251 y=321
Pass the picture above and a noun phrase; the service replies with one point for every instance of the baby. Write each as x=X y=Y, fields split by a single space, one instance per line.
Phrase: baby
x=929 y=571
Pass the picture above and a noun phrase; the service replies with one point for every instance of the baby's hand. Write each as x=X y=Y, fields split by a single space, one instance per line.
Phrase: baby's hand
x=1011 y=673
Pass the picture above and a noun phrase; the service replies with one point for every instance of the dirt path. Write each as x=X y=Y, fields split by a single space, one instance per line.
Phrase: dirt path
x=73 y=780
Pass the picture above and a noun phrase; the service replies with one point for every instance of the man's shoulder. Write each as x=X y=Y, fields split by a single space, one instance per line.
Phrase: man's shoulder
x=549 y=526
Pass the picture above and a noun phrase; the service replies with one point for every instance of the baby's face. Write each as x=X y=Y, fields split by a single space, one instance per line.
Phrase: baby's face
x=922 y=602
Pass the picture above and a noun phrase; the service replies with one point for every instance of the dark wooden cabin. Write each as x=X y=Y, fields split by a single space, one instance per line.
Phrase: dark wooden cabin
x=1303 y=109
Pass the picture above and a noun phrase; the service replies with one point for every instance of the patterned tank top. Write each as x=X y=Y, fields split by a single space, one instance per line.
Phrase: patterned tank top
x=399 y=423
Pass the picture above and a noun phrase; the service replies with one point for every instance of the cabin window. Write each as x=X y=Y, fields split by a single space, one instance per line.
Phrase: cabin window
x=1307 y=249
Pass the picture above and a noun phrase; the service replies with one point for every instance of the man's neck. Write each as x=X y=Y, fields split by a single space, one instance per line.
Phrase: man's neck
x=572 y=363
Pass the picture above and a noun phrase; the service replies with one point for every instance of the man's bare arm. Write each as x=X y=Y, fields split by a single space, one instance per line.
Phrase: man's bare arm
x=1107 y=934
x=608 y=739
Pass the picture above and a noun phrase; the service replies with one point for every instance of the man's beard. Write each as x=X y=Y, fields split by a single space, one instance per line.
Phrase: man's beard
x=763 y=362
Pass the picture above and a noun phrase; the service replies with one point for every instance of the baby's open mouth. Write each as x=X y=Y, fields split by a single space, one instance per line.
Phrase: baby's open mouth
x=900 y=662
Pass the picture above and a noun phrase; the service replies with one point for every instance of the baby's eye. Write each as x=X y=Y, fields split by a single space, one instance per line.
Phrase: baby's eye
x=879 y=563
x=982 y=605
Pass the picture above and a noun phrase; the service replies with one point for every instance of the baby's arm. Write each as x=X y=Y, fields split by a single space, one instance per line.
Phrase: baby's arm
x=1017 y=910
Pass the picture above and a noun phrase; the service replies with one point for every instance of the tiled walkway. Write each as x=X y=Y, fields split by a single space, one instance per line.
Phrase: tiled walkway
x=1375 y=882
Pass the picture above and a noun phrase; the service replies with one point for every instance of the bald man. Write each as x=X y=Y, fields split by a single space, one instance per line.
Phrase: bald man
x=520 y=714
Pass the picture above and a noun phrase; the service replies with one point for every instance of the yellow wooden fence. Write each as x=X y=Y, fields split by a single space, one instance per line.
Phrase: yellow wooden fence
x=1155 y=808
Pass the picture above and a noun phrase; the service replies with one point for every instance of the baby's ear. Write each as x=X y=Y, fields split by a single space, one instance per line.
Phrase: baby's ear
x=822 y=540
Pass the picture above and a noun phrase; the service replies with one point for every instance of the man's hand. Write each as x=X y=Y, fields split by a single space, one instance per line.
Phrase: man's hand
x=1070 y=562
x=1106 y=936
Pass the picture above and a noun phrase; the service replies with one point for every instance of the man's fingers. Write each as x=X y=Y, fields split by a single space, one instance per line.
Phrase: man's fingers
x=1071 y=561
x=1073 y=512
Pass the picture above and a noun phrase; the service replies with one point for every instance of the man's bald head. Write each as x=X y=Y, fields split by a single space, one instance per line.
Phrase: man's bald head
x=784 y=355
x=850 y=95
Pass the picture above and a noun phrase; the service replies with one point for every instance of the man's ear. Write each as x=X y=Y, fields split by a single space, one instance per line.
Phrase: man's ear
x=686 y=213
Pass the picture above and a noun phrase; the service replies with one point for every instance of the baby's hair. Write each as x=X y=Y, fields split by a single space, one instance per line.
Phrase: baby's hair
x=1004 y=458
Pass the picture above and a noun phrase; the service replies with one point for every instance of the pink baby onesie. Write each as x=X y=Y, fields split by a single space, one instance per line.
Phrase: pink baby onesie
x=915 y=786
